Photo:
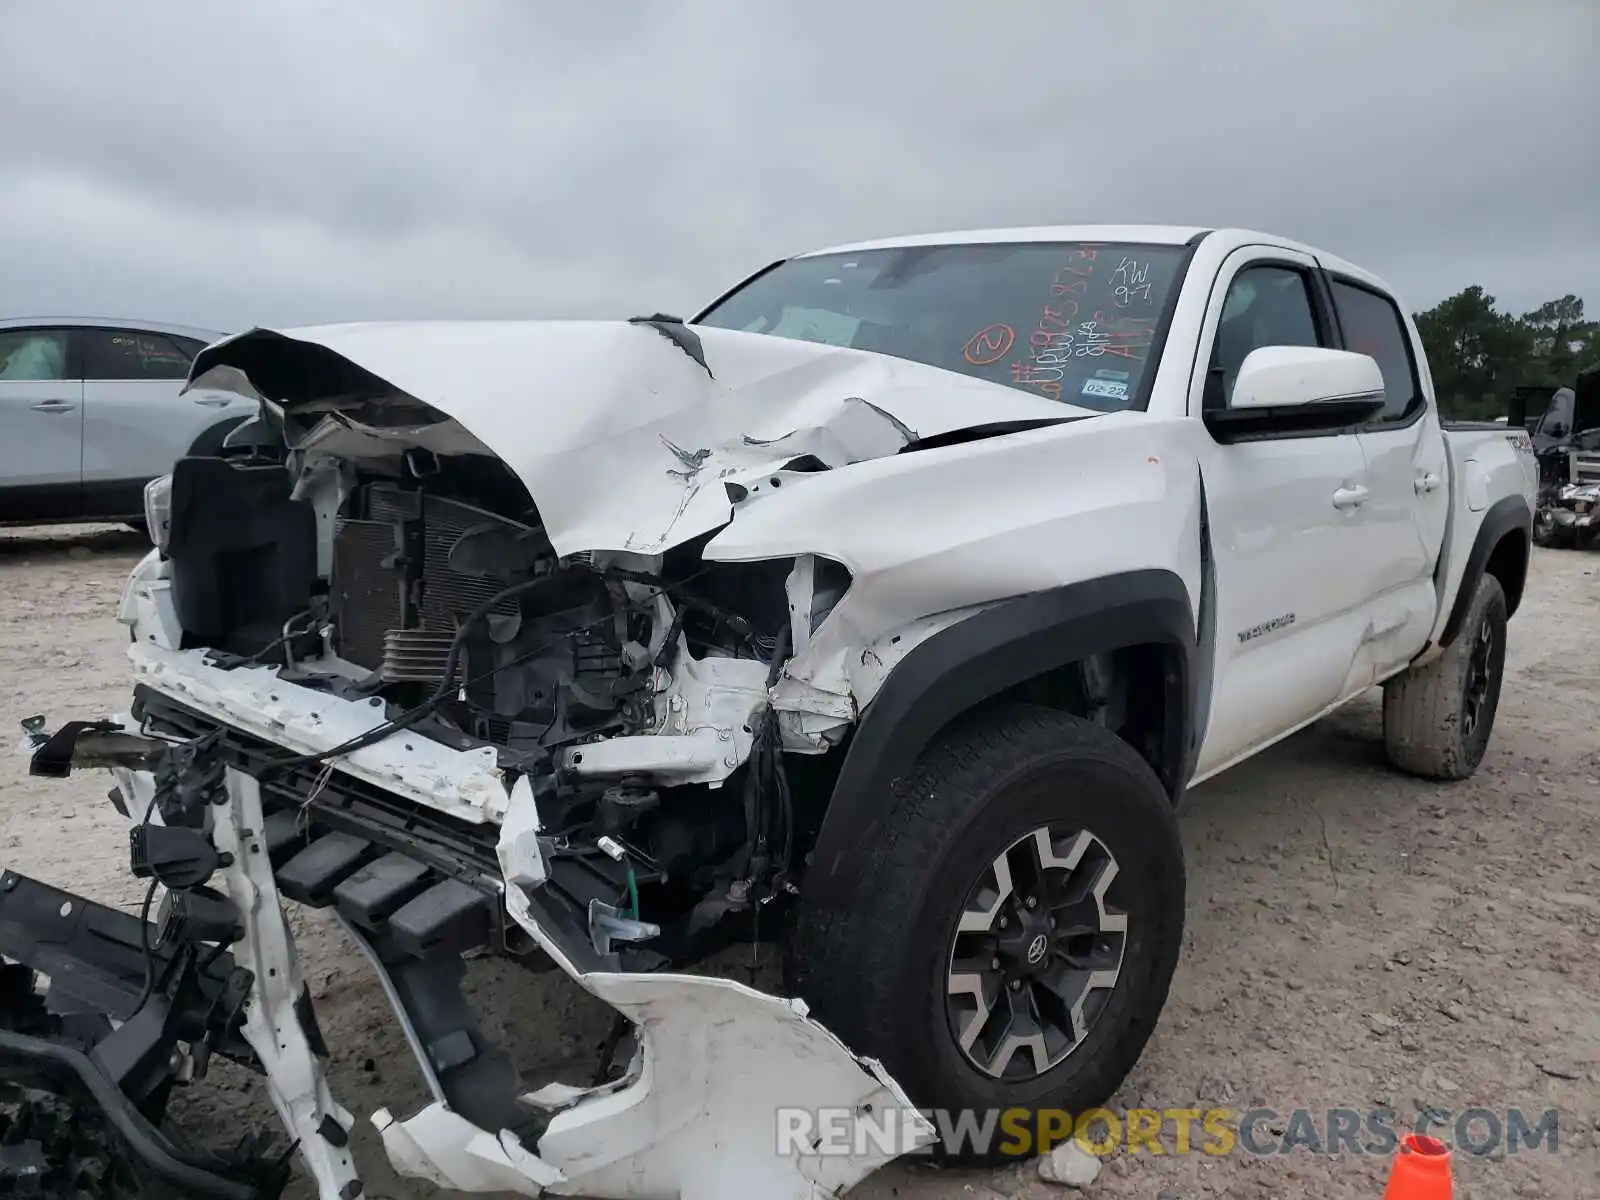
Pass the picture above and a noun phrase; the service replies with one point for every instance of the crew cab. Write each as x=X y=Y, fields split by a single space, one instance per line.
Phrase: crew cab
x=888 y=608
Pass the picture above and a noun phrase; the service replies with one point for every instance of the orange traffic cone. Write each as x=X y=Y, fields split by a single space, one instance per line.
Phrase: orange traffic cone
x=1421 y=1170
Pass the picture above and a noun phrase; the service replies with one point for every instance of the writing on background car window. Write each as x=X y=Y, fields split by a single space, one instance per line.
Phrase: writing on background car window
x=149 y=351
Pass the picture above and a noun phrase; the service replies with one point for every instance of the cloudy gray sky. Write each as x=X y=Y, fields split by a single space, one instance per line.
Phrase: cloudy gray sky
x=291 y=161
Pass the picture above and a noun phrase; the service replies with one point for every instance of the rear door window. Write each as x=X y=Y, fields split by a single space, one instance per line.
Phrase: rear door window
x=132 y=354
x=1372 y=326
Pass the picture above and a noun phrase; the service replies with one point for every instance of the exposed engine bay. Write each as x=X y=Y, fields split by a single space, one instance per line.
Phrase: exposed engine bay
x=672 y=714
x=444 y=602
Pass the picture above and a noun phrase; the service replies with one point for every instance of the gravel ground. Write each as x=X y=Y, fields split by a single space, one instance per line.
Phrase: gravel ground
x=1355 y=939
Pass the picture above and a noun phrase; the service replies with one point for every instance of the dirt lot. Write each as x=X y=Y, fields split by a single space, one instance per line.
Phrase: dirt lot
x=1355 y=940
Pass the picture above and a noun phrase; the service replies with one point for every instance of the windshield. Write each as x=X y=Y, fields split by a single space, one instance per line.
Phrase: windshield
x=1078 y=322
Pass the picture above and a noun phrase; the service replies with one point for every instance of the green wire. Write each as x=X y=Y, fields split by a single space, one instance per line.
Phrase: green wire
x=633 y=894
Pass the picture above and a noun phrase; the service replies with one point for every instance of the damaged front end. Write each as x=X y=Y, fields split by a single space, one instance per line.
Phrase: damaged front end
x=486 y=678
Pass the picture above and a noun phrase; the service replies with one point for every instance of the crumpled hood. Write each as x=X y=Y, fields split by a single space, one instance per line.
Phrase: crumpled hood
x=624 y=441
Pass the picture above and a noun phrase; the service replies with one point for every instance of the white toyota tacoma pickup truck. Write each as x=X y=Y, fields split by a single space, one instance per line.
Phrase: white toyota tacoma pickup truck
x=886 y=609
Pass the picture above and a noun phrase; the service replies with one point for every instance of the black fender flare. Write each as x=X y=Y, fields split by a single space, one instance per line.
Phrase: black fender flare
x=979 y=658
x=1507 y=515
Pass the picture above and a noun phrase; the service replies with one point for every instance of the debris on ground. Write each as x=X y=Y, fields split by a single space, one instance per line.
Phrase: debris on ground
x=1069 y=1164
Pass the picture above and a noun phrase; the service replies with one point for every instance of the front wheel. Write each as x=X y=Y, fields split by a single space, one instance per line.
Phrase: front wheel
x=1018 y=927
x=1437 y=718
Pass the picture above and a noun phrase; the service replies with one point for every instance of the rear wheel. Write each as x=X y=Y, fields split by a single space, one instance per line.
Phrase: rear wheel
x=1437 y=719
x=1017 y=930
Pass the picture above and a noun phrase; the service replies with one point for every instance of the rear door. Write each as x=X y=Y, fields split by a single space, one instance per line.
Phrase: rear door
x=1405 y=513
x=1284 y=520
x=41 y=425
x=136 y=425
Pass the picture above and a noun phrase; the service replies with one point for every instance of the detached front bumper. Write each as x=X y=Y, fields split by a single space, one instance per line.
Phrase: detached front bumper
x=422 y=852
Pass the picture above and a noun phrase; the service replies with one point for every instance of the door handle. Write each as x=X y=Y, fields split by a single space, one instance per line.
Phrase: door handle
x=213 y=401
x=1349 y=497
x=53 y=406
x=1427 y=482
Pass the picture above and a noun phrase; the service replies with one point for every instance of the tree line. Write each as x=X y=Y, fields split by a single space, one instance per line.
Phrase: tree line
x=1480 y=356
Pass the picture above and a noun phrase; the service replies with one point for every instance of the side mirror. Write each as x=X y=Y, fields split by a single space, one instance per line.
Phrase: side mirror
x=1287 y=390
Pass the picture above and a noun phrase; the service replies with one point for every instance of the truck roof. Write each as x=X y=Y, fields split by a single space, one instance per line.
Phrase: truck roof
x=1164 y=235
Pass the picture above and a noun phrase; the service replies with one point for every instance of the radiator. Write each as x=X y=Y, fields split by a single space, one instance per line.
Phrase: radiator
x=394 y=594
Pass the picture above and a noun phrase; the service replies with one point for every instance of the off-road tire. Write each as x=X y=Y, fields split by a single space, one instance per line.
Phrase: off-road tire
x=876 y=975
x=1426 y=709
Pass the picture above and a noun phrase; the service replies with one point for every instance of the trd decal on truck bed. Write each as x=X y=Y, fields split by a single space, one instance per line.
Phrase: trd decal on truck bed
x=1272 y=626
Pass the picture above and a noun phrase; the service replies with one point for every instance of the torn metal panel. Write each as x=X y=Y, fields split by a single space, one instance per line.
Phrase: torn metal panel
x=624 y=443
x=1000 y=533
x=341 y=436
x=856 y=432
x=812 y=719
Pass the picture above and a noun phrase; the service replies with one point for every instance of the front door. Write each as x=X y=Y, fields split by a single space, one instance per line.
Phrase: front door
x=41 y=425
x=1283 y=517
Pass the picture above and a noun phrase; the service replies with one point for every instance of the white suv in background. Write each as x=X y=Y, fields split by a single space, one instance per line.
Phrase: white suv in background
x=92 y=409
